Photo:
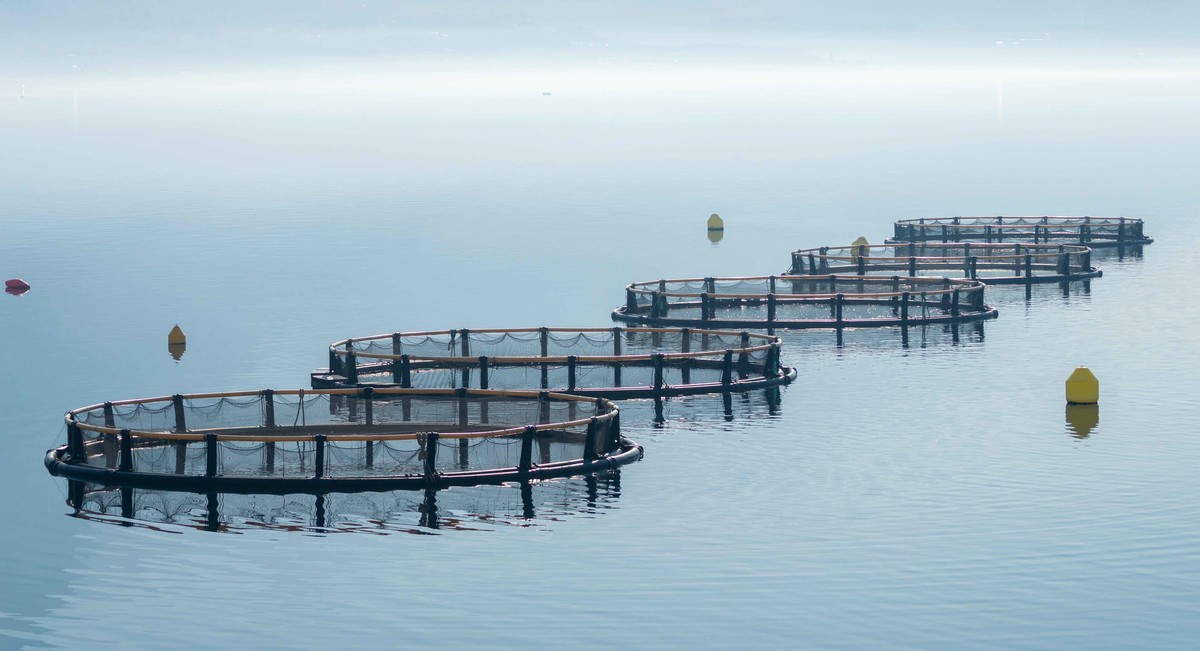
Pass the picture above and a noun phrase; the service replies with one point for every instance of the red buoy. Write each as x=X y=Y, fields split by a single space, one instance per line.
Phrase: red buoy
x=16 y=283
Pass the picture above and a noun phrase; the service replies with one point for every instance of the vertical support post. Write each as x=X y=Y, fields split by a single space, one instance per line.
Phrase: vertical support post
x=571 y=359
x=905 y=299
x=526 y=462
x=180 y=416
x=483 y=372
x=466 y=352
x=797 y=263
x=616 y=365
x=705 y=306
x=838 y=301
x=545 y=341
x=109 y=419
x=657 y=360
x=268 y=397
x=126 y=463
x=405 y=372
x=727 y=368
x=335 y=362
x=431 y=449
x=397 y=345
x=75 y=445
x=461 y=394
x=861 y=265
x=1028 y=267
x=630 y=301
x=912 y=265
x=351 y=365
x=210 y=455
x=319 y=456
x=772 y=307
x=954 y=304
x=589 y=442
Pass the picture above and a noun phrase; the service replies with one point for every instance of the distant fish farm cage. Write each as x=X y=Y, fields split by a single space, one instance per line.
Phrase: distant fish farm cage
x=610 y=362
x=994 y=264
x=1091 y=231
x=802 y=302
x=340 y=440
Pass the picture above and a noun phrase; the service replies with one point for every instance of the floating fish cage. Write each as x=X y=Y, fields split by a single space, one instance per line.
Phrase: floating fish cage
x=800 y=302
x=1090 y=231
x=994 y=264
x=516 y=504
x=340 y=440
x=610 y=362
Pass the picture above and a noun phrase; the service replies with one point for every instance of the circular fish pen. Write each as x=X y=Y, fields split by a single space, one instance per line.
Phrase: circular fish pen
x=803 y=302
x=599 y=362
x=1090 y=231
x=994 y=264
x=340 y=440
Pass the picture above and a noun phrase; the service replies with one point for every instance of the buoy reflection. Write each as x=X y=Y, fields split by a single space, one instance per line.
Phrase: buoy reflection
x=177 y=350
x=1082 y=420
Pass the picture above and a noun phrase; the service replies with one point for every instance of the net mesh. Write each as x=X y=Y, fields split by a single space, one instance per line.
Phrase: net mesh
x=989 y=262
x=604 y=359
x=387 y=435
x=1095 y=231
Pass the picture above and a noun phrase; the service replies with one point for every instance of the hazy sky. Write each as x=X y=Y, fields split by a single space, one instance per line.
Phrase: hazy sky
x=135 y=35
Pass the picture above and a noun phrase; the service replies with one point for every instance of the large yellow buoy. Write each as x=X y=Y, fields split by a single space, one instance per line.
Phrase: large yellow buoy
x=861 y=247
x=715 y=223
x=1082 y=387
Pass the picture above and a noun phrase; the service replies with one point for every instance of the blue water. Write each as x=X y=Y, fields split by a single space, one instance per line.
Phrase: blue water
x=929 y=497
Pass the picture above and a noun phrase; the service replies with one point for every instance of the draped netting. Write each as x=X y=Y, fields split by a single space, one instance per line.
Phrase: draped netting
x=1017 y=262
x=361 y=433
x=588 y=361
x=1091 y=231
x=805 y=301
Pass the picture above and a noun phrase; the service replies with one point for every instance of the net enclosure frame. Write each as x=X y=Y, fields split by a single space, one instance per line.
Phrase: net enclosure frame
x=635 y=363
x=992 y=263
x=1095 y=232
x=845 y=302
x=353 y=448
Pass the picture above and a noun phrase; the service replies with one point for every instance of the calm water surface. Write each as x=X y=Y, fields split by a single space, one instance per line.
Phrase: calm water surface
x=931 y=497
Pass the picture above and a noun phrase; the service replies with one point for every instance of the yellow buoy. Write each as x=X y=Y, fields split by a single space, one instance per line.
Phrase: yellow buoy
x=860 y=247
x=1082 y=387
x=715 y=223
x=176 y=336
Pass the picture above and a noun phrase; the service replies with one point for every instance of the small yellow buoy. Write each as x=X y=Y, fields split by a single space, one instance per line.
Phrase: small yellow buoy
x=715 y=223
x=176 y=336
x=861 y=247
x=1082 y=387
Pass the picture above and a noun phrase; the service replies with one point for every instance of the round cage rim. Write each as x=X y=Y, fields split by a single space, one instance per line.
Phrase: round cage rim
x=769 y=341
x=1039 y=248
x=1020 y=220
x=944 y=286
x=610 y=412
